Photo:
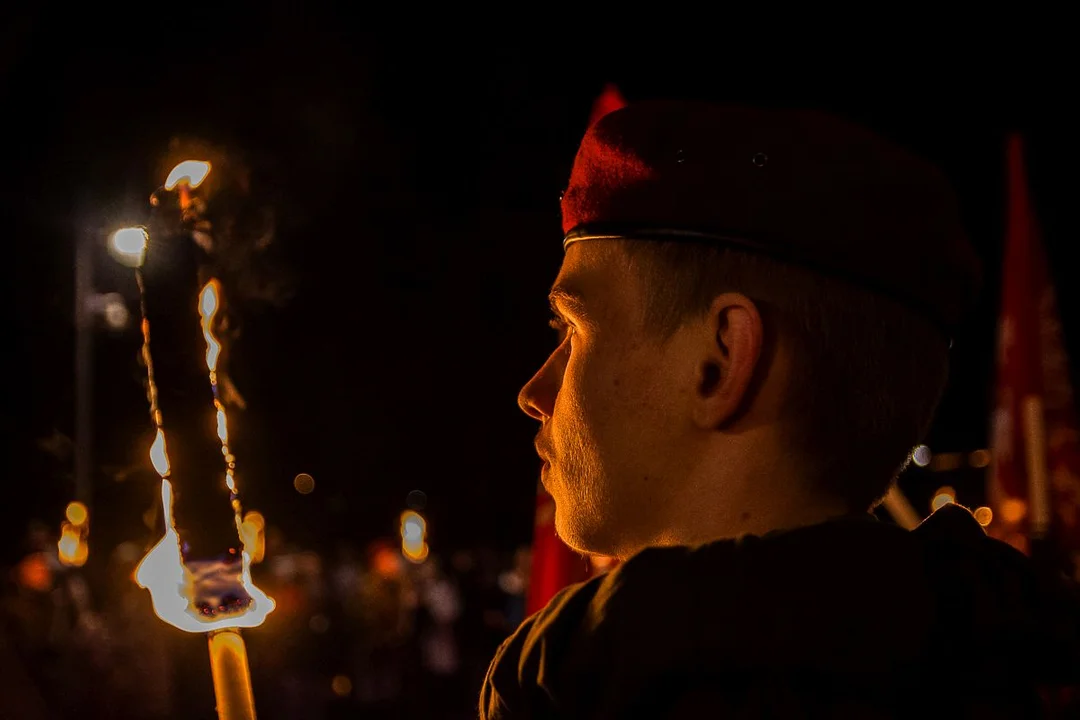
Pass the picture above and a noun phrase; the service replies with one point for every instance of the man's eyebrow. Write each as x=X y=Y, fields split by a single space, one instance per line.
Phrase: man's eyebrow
x=563 y=296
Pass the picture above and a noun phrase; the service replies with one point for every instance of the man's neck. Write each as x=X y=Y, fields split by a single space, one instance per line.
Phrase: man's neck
x=758 y=500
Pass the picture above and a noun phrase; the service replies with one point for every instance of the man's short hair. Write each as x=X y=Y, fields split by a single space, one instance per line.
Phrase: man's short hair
x=867 y=372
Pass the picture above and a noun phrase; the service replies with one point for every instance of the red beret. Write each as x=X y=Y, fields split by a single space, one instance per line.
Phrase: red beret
x=799 y=185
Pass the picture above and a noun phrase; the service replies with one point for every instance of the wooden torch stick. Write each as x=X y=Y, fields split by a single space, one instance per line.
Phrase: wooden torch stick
x=1037 y=472
x=232 y=677
x=900 y=509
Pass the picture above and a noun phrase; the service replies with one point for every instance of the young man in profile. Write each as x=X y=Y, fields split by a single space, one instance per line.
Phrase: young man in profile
x=755 y=311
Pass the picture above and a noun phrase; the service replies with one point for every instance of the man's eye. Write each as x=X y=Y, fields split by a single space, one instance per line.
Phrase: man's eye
x=561 y=327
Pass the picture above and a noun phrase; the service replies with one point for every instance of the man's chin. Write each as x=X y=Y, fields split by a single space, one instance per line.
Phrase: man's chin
x=576 y=532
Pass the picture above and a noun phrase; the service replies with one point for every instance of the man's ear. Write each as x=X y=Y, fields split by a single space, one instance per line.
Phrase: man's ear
x=733 y=341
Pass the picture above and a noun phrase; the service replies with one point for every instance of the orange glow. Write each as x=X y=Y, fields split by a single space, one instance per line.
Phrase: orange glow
x=979 y=458
x=33 y=573
x=191 y=173
x=1013 y=510
x=76 y=513
x=943 y=496
x=341 y=685
x=386 y=562
x=984 y=515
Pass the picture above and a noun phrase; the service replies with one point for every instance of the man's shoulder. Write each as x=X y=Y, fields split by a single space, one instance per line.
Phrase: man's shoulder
x=675 y=609
x=583 y=626
x=510 y=680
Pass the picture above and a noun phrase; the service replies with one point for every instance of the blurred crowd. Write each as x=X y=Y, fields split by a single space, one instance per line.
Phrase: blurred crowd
x=363 y=633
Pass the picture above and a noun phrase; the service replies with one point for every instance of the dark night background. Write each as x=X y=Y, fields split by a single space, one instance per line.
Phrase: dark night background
x=415 y=177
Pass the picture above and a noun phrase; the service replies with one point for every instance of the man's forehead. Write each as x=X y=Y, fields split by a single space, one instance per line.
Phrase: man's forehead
x=589 y=270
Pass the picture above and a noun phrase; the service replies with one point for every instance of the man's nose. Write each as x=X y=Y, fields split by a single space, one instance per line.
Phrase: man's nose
x=537 y=397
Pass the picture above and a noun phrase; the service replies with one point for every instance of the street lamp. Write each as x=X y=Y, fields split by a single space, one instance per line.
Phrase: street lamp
x=128 y=245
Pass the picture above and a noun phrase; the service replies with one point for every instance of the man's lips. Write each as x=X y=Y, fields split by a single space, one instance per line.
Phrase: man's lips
x=542 y=451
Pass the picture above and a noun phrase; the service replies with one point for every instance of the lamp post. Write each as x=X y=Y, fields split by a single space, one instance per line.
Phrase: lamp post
x=128 y=246
x=84 y=369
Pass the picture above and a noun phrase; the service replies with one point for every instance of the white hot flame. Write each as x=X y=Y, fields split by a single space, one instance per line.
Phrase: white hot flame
x=208 y=306
x=172 y=585
x=189 y=172
x=222 y=425
x=160 y=458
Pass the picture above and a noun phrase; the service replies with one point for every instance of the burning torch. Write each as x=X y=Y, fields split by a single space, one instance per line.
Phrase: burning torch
x=193 y=585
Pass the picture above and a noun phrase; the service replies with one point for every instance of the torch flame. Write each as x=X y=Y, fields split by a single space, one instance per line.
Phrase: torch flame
x=159 y=457
x=222 y=426
x=189 y=172
x=208 y=306
x=171 y=583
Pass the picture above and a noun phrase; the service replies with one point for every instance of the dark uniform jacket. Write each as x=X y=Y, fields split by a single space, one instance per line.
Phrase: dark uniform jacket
x=853 y=618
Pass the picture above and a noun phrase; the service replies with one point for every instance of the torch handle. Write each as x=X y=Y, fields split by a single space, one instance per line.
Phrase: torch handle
x=232 y=677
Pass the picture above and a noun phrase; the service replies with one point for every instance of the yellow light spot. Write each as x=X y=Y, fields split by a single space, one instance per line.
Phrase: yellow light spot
x=414 y=536
x=72 y=549
x=984 y=515
x=944 y=496
x=189 y=172
x=253 y=535
x=979 y=458
x=76 y=513
x=341 y=685
x=416 y=554
x=304 y=484
x=255 y=518
x=1013 y=510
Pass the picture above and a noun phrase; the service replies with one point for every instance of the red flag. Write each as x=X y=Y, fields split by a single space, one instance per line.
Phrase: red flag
x=610 y=99
x=554 y=565
x=1035 y=478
